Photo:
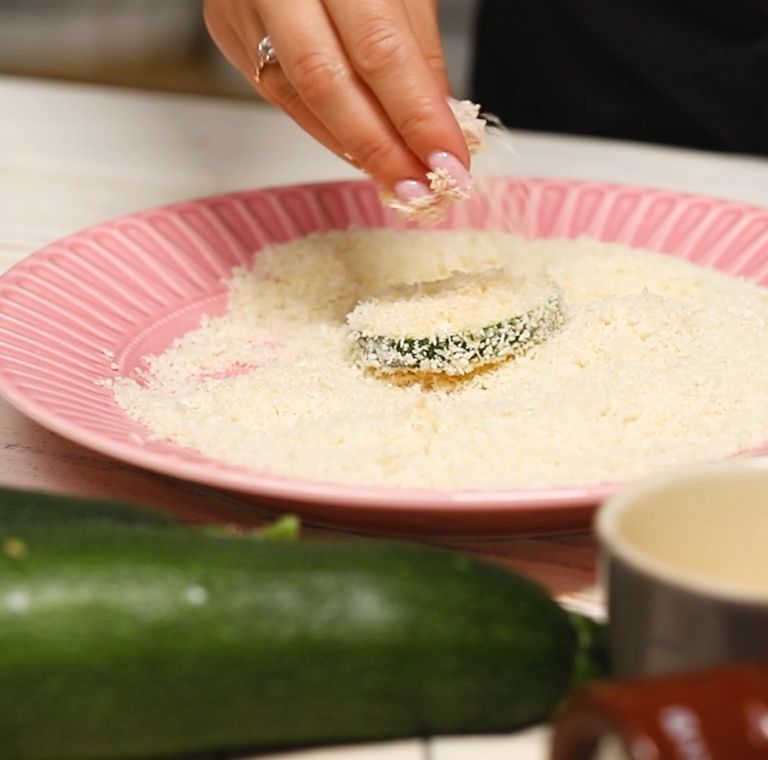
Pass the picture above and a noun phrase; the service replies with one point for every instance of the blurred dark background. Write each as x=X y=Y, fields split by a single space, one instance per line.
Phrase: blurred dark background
x=154 y=44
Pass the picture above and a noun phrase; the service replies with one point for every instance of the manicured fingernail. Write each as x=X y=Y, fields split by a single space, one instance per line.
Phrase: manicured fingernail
x=408 y=189
x=441 y=159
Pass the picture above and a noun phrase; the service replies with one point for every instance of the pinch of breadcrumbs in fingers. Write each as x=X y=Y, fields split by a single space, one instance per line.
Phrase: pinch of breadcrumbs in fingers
x=445 y=191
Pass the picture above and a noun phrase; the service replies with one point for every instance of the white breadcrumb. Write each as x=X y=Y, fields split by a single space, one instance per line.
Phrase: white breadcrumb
x=444 y=189
x=432 y=207
x=472 y=125
x=660 y=363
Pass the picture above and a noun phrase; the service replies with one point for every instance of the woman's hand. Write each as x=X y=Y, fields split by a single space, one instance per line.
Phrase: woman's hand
x=365 y=77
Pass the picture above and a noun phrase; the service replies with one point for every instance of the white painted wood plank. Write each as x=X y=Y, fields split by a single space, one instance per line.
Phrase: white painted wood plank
x=213 y=143
x=397 y=750
x=530 y=744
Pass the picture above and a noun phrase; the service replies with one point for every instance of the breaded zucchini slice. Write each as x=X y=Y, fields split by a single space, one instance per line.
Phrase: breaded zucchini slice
x=455 y=325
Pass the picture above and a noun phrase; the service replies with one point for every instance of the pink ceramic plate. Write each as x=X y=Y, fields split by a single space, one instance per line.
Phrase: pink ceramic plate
x=99 y=300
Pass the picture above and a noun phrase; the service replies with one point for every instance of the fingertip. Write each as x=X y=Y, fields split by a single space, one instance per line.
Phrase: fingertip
x=410 y=189
x=445 y=135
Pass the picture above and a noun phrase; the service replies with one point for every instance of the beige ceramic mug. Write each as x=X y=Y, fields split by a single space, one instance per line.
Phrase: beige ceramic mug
x=685 y=563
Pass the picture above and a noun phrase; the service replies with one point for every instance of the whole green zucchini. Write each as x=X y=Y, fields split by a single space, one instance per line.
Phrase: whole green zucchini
x=18 y=507
x=126 y=641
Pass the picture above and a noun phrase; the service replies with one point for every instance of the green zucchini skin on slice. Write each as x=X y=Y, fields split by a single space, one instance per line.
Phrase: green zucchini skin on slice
x=139 y=643
x=462 y=352
x=22 y=507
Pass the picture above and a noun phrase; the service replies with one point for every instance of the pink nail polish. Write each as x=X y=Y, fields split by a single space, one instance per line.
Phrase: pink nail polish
x=408 y=189
x=441 y=159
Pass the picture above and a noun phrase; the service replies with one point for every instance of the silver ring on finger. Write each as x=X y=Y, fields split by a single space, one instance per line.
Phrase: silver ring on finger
x=265 y=55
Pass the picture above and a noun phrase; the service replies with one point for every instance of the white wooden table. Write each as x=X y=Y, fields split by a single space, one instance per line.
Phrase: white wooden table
x=72 y=156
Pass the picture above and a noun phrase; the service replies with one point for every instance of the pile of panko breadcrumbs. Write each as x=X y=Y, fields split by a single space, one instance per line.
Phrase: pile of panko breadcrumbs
x=659 y=362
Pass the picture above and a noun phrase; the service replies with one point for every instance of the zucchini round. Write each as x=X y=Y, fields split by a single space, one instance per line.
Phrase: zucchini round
x=456 y=325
